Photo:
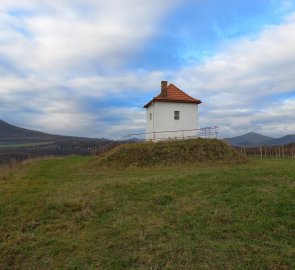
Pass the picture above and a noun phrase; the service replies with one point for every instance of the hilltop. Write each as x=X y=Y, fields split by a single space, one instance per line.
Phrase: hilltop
x=169 y=153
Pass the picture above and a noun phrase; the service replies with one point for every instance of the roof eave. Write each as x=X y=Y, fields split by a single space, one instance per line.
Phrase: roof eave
x=171 y=100
x=149 y=103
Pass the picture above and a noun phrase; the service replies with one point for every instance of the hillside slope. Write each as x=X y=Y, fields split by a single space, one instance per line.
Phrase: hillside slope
x=13 y=133
x=169 y=153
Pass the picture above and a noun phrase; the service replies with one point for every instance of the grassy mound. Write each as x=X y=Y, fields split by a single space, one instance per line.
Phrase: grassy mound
x=169 y=153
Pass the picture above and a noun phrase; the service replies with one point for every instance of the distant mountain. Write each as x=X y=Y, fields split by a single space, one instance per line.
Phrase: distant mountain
x=282 y=141
x=253 y=139
x=134 y=139
x=249 y=139
x=11 y=133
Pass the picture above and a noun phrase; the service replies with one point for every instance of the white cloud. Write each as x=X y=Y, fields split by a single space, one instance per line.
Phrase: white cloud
x=237 y=81
x=132 y=122
x=277 y=119
x=52 y=53
x=58 y=37
x=100 y=86
x=51 y=49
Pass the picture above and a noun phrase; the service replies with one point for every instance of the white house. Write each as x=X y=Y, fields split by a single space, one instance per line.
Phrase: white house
x=173 y=113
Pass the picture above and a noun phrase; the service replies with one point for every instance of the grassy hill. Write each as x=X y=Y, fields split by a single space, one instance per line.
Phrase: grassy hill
x=71 y=214
x=169 y=153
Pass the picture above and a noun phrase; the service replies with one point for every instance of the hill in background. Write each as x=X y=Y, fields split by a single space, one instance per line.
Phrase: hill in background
x=253 y=139
x=11 y=133
x=19 y=143
x=288 y=139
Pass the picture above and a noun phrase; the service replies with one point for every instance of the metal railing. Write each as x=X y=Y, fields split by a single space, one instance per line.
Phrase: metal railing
x=207 y=132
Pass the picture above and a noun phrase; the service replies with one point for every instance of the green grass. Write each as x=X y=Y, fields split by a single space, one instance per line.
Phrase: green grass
x=69 y=214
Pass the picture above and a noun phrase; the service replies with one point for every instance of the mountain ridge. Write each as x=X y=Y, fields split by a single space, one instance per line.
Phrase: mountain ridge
x=253 y=139
x=12 y=133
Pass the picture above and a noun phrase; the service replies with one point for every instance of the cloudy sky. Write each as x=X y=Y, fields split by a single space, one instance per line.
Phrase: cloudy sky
x=85 y=67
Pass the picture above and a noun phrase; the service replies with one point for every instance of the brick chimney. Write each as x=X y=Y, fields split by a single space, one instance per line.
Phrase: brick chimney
x=164 y=89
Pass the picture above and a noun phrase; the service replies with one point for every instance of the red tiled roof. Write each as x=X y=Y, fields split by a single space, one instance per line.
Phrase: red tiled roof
x=174 y=94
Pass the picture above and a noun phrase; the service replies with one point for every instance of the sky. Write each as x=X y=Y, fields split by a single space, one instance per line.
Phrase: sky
x=86 y=68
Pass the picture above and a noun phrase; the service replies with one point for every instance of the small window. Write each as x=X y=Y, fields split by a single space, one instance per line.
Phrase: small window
x=176 y=115
x=150 y=116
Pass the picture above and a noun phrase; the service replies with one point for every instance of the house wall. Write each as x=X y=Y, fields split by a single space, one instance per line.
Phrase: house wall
x=150 y=122
x=163 y=120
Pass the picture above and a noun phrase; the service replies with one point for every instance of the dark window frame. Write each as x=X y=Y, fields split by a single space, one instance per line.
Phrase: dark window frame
x=176 y=115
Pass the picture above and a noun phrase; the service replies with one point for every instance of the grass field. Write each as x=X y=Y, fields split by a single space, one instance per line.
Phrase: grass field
x=69 y=214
